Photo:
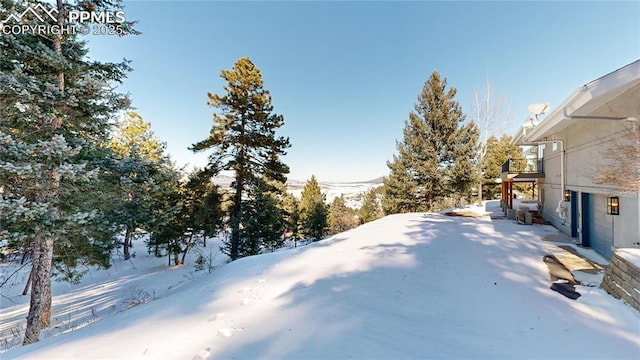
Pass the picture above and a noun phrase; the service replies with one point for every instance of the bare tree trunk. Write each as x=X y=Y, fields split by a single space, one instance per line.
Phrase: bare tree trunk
x=491 y=115
x=26 y=286
x=131 y=239
x=127 y=236
x=235 y=219
x=176 y=258
x=236 y=209
x=184 y=255
x=40 y=303
x=187 y=248
x=24 y=256
x=40 y=290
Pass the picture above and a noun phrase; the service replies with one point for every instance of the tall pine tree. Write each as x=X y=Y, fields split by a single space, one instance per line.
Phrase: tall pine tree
x=243 y=139
x=55 y=107
x=398 y=190
x=291 y=208
x=139 y=170
x=263 y=220
x=313 y=211
x=435 y=162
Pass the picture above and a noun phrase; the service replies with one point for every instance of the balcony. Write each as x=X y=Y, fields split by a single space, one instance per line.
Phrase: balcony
x=523 y=168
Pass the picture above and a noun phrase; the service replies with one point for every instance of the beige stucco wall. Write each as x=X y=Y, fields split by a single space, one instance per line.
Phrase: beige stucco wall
x=586 y=144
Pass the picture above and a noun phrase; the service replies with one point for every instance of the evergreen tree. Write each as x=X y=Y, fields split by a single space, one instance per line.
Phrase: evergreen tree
x=167 y=226
x=371 y=208
x=187 y=211
x=436 y=155
x=462 y=174
x=341 y=217
x=133 y=134
x=313 y=211
x=291 y=209
x=55 y=107
x=263 y=221
x=498 y=151
x=399 y=188
x=244 y=140
x=205 y=205
x=139 y=170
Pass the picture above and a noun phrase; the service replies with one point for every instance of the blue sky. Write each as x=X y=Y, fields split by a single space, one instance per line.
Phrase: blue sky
x=345 y=75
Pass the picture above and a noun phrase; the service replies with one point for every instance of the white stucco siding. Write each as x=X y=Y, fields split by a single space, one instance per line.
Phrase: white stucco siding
x=627 y=225
x=586 y=144
x=585 y=126
x=552 y=188
x=552 y=197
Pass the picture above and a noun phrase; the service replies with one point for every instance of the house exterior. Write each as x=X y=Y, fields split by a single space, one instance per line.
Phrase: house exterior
x=568 y=147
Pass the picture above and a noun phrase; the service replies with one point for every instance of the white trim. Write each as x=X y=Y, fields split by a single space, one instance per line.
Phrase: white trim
x=582 y=102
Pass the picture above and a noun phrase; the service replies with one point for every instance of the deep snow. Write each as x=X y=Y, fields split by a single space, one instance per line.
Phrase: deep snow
x=630 y=255
x=405 y=286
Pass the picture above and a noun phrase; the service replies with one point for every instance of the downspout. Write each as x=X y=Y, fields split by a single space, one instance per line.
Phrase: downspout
x=562 y=209
x=566 y=115
x=633 y=120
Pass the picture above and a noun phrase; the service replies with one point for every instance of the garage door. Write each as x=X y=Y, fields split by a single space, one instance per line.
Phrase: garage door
x=601 y=226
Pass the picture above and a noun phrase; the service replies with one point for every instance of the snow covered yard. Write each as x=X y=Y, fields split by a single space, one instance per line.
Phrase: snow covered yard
x=405 y=286
x=100 y=293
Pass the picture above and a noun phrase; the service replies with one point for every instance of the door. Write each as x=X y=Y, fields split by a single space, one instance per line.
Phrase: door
x=601 y=226
x=574 y=214
x=586 y=219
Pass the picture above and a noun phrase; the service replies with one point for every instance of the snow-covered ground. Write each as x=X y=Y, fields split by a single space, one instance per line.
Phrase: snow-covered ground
x=100 y=294
x=405 y=286
x=630 y=255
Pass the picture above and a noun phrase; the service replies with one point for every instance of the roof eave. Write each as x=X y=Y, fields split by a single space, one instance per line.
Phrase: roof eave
x=577 y=102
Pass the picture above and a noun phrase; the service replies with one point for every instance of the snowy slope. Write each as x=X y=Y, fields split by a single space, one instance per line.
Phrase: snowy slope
x=405 y=286
x=101 y=293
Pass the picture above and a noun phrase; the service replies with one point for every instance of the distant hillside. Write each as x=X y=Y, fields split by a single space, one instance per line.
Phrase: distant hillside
x=377 y=180
x=223 y=180
x=352 y=191
x=296 y=183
